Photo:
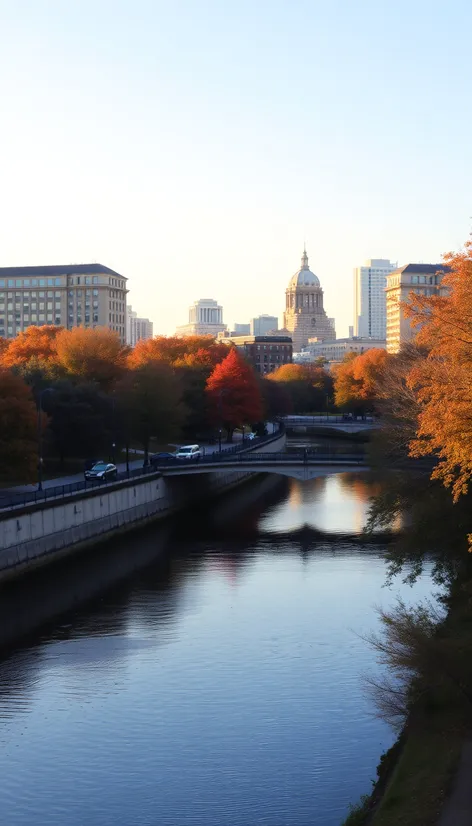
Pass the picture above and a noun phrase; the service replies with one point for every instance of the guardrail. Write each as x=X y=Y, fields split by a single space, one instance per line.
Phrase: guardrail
x=9 y=499
x=327 y=419
x=220 y=460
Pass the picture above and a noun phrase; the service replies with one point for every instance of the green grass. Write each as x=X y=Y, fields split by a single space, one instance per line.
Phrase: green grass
x=358 y=813
x=422 y=777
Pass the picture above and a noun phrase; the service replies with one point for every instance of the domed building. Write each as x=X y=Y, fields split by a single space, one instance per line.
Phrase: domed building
x=305 y=316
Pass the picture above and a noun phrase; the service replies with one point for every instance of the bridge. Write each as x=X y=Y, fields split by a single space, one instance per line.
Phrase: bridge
x=296 y=465
x=342 y=424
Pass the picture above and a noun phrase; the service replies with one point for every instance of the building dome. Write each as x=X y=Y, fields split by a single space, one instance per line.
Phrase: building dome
x=304 y=277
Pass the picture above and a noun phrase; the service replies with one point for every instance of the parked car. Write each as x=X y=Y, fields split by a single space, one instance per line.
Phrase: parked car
x=101 y=472
x=188 y=452
x=156 y=458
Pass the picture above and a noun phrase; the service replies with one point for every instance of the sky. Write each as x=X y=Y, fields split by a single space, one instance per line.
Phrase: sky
x=194 y=145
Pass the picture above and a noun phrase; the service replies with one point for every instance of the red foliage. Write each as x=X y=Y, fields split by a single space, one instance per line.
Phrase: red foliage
x=234 y=393
x=179 y=352
x=34 y=342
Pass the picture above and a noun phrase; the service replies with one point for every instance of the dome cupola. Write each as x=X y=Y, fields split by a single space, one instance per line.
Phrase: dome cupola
x=304 y=277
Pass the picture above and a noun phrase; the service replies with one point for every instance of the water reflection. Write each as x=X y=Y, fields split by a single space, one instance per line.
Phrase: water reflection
x=217 y=686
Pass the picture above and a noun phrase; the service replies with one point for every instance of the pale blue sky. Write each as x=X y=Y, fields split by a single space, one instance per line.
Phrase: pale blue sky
x=193 y=145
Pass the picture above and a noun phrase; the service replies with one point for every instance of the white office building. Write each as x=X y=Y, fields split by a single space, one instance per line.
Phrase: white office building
x=335 y=351
x=370 y=314
x=205 y=317
x=137 y=328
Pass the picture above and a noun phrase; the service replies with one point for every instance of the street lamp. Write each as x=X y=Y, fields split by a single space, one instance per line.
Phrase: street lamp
x=40 y=434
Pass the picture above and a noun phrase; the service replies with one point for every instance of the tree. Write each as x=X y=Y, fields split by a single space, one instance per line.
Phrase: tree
x=36 y=343
x=309 y=386
x=355 y=379
x=442 y=382
x=234 y=393
x=149 y=404
x=91 y=354
x=276 y=397
x=188 y=351
x=18 y=430
x=81 y=421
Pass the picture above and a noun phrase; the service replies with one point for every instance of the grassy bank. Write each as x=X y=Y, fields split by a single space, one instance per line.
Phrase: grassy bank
x=416 y=776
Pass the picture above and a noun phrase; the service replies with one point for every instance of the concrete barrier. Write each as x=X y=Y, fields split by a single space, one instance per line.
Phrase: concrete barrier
x=44 y=532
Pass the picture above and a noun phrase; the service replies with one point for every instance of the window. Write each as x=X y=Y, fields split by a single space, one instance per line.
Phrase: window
x=42 y=282
x=57 y=282
x=57 y=294
x=95 y=292
x=95 y=305
x=87 y=279
x=50 y=282
x=78 y=279
x=95 y=279
x=26 y=282
x=71 y=293
x=2 y=282
x=11 y=282
x=79 y=293
x=34 y=282
x=95 y=316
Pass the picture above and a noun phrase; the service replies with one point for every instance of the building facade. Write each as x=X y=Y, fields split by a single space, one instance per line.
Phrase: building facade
x=423 y=279
x=265 y=353
x=370 y=317
x=87 y=295
x=137 y=329
x=205 y=317
x=305 y=316
x=263 y=324
x=241 y=330
x=335 y=351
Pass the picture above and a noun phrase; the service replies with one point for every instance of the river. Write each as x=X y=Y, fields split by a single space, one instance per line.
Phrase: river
x=219 y=685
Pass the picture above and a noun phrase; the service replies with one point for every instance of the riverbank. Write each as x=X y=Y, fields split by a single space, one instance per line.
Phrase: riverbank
x=418 y=775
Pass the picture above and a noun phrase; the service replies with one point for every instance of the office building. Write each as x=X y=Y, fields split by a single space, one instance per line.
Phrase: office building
x=305 y=316
x=241 y=330
x=263 y=324
x=137 y=329
x=205 y=317
x=88 y=295
x=335 y=351
x=265 y=353
x=423 y=279
x=369 y=297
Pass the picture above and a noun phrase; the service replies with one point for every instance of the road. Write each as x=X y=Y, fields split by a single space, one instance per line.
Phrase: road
x=7 y=493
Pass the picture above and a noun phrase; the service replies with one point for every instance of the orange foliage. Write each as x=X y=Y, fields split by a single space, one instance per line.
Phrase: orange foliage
x=33 y=343
x=442 y=381
x=311 y=373
x=234 y=392
x=91 y=354
x=355 y=379
x=18 y=429
x=179 y=352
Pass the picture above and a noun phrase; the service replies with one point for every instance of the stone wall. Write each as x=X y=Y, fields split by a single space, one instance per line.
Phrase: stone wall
x=47 y=531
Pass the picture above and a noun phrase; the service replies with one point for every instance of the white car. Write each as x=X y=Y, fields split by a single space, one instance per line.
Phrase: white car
x=188 y=452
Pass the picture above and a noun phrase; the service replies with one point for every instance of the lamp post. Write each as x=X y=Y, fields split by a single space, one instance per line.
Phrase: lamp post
x=220 y=414
x=40 y=435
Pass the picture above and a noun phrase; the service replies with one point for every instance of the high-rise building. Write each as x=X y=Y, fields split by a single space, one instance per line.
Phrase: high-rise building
x=305 y=316
x=205 y=317
x=424 y=279
x=369 y=297
x=241 y=329
x=263 y=324
x=137 y=329
x=88 y=295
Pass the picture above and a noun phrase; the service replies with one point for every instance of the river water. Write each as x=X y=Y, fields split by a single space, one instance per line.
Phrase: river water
x=220 y=685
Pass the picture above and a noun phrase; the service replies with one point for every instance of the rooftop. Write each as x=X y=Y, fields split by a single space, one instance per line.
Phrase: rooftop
x=56 y=269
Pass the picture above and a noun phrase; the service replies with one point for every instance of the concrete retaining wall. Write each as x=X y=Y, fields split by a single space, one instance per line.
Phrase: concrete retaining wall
x=47 y=531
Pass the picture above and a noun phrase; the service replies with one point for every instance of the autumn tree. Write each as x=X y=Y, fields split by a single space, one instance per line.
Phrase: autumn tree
x=18 y=430
x=149 y=402
x=309 y=386
x=188 y=351
x=355 y=379
x=80 y=421
x=277 y=399
x=396 y=402
x=34 y=343
x=91 y=354
x=234 y=394
x=442 y=382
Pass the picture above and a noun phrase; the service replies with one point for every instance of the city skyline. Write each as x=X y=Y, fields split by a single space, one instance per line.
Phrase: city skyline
x=192 y=171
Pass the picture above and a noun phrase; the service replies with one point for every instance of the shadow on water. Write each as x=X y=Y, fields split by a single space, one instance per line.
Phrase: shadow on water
x=157 y=557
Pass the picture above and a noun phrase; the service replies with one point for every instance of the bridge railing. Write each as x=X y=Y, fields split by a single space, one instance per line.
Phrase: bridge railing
x=9 y=499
